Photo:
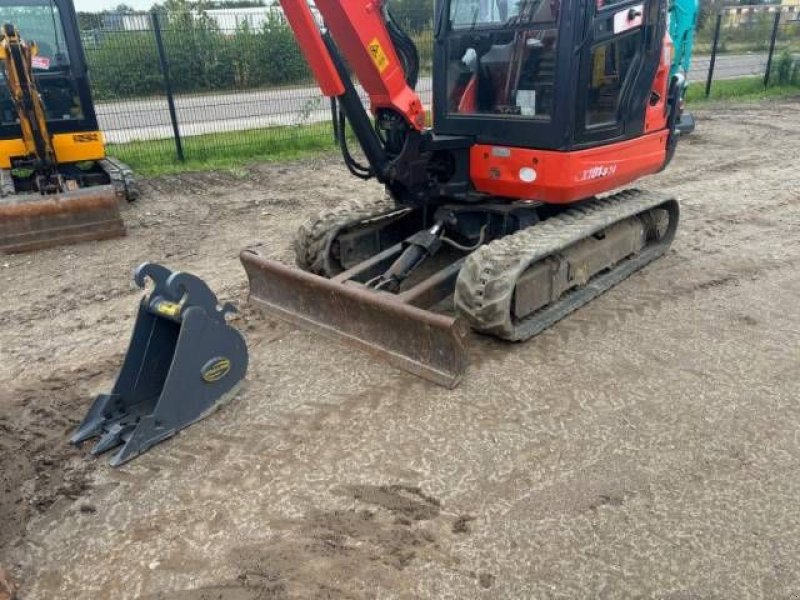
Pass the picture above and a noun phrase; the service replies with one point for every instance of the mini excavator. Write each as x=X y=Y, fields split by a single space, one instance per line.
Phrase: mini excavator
x=499 y=216
x=56 y=183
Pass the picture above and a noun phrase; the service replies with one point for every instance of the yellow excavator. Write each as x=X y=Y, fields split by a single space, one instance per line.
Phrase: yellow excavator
x=57 y=185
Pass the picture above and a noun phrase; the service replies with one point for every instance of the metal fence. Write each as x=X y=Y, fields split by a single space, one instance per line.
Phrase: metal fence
x=750 y=41
x=186 y=85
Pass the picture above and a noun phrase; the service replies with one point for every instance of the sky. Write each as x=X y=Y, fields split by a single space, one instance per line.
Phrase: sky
x=98 y=5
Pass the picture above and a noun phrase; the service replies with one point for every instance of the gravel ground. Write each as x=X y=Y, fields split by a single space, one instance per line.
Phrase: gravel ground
x=646 y=446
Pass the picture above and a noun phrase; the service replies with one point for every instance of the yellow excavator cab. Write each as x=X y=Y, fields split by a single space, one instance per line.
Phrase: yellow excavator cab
x=56 y=183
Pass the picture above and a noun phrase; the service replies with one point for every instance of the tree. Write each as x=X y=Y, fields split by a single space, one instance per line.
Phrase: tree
x=415 y=16
x=707 y=12
x=236 y=3
x=90 y=21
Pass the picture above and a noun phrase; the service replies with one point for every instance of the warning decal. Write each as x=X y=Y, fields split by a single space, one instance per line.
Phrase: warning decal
x=378 y=55
x=40 y=62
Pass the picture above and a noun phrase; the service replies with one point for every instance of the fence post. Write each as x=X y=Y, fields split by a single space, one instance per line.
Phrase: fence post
x=333 y=120
x=162 y=59
x=713 y=54
x=772 y=46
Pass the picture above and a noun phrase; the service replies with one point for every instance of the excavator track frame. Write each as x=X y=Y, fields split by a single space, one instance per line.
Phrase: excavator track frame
x=487 y=284
x=312 y=244
x=401 y=327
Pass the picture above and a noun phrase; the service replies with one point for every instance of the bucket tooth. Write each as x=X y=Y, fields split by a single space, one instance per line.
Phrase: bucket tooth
x=182 y=362
x=92 y=424
x=111 y=438
x=427 y=344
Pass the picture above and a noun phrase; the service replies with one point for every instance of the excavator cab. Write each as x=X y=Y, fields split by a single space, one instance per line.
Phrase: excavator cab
x=556 y=75
x=59 y=70
x=56 y=183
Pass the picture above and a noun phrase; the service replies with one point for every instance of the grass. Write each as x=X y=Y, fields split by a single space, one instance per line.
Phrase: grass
x=234 y=151
x=745 y=89
x=703 y=48
x=225 y=151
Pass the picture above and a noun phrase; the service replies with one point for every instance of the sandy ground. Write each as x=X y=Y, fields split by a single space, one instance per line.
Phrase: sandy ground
x=646 y=446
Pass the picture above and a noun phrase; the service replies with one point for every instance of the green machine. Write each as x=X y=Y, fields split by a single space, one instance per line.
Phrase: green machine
x=682 y=24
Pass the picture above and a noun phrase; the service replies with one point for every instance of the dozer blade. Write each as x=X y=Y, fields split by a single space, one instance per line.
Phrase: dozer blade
x=32 y=221
x=427 y=344
x=183 y=361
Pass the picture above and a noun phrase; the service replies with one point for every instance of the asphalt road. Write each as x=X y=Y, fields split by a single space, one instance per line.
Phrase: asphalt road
x=149 y=119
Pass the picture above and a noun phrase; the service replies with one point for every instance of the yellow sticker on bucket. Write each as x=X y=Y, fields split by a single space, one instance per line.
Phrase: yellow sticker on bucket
x=215 y=369
x=168 y=309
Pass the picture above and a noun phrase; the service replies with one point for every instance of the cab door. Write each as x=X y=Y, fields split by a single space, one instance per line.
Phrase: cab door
x=620 y=54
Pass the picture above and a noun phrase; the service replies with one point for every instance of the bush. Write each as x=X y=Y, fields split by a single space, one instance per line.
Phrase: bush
x=751 y=36
x=125 y=64
x=786 y=70
x=414 y=16
x=201 y=57
x=424 y=43
x=281 y=59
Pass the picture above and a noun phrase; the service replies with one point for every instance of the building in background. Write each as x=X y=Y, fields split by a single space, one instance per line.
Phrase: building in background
x=233 y=19
x=742 y=15
x=126 y=21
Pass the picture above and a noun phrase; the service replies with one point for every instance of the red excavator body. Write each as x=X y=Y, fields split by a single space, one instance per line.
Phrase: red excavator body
x=538 y=108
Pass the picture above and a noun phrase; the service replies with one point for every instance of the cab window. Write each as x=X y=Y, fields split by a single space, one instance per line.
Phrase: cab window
x=501 y=57
x=39 y=22
x=610 y=65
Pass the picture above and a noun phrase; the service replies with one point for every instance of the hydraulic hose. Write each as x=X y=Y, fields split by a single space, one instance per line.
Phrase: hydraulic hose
x=355 y=168
x=406 y=49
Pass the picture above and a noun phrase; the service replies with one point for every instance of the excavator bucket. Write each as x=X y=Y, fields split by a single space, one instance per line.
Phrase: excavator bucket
x=427 y=344
x=33 y=221
x=183 y=361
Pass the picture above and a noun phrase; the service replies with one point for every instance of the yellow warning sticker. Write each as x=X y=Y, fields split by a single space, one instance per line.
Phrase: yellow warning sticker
x=169 y=309
x=378 y=55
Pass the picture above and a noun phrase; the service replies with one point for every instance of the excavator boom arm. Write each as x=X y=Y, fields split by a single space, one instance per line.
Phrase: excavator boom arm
x=16 y=57
x=360 y=34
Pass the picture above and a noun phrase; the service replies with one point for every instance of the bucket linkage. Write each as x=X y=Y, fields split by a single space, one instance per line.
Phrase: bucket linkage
x=182 y=362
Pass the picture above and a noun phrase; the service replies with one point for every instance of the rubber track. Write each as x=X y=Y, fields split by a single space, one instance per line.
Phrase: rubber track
x=122 y=178
x=314 y=237
x=485 y=286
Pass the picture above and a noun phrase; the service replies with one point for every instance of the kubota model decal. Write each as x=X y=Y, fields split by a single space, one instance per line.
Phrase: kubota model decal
x=596 y=172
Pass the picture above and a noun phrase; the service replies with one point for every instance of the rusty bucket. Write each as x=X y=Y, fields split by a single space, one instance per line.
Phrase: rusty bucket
x=32 y=221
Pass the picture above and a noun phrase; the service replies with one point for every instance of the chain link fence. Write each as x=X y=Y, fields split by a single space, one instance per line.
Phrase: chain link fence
x=755 y=41
x=190 y=85
x=185 y=85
